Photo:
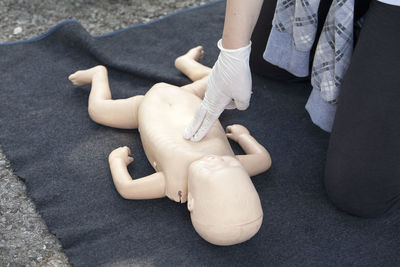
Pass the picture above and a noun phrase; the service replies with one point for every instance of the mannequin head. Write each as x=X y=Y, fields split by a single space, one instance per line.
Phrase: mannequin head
x=224 y=206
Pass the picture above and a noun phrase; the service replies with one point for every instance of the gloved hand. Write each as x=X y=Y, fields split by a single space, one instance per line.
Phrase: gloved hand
x=229 y=87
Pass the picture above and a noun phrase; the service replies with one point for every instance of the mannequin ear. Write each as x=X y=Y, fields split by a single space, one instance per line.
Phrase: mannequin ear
x=190 y=202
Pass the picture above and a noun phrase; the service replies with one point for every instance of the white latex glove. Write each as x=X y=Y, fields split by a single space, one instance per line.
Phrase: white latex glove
x=229 y=87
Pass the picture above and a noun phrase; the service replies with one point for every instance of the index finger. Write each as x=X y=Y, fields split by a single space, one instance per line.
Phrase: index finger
x=196 y=123
x=205 y=126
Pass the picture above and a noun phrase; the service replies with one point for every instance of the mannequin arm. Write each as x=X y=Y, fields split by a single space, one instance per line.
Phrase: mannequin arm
x=149 y=187
x=257 y=158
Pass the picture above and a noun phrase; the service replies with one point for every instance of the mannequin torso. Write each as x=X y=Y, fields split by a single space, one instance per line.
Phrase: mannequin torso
x=163 y=114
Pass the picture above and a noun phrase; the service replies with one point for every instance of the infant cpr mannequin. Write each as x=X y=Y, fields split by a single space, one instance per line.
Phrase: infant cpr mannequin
x=224 y=205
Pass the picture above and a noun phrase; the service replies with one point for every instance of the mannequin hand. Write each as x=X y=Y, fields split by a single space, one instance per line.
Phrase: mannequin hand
x=235 y=131
x=229 y=86
x=121 y=153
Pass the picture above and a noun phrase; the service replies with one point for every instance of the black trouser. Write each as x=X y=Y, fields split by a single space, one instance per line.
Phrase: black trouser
x=362 y=173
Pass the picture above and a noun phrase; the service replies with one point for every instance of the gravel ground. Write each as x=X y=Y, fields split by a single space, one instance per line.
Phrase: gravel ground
x=24 y=237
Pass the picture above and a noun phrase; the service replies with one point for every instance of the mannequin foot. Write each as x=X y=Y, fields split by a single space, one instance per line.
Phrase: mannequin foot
x=83 y=77
x=195 y=54
x=189 y=64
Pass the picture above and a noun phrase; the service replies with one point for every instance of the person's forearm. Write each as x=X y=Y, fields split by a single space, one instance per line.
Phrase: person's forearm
x=229 y=84
x=240 y=18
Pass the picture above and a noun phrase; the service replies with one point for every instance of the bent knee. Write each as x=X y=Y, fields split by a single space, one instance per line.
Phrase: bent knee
x=94 y=111
x=98 y=111
x=357 y=195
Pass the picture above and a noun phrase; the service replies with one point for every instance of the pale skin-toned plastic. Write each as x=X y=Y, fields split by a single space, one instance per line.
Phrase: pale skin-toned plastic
x=224 y=205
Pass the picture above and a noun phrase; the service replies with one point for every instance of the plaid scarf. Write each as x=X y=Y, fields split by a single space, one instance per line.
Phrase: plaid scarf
x=299 y=19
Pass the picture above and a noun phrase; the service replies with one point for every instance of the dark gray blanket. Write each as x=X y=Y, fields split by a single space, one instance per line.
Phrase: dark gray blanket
x=62 y=156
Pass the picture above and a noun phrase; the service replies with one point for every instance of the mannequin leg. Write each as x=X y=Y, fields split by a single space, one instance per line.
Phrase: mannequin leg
x=189 y=65
x=120 y=113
